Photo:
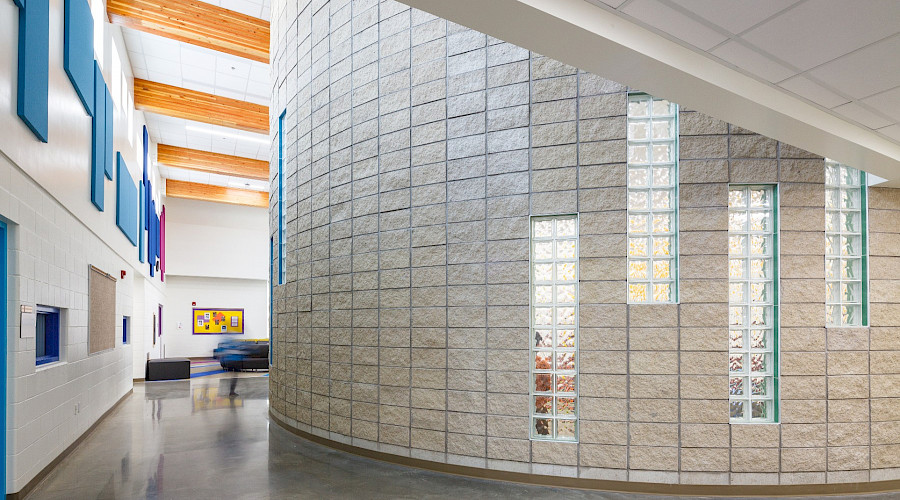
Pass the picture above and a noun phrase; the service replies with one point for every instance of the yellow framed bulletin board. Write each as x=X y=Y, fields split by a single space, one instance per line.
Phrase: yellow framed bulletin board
x=218 y=321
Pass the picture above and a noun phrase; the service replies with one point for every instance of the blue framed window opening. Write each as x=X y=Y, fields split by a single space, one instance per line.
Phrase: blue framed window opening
x=126 y=329
x=47 y=335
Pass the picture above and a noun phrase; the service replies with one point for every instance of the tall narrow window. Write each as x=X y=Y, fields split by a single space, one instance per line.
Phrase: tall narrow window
x=753 y=303
x=846 y=249
x=282 y=272
x=554 y=327
x=652 y=200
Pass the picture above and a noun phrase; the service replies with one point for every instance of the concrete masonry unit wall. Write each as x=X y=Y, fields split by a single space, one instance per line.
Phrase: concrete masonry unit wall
x=416 y=150
x=55 y=234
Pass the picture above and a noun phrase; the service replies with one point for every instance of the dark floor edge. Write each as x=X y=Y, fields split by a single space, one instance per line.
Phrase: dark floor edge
x=36 y=480
x=777 y=490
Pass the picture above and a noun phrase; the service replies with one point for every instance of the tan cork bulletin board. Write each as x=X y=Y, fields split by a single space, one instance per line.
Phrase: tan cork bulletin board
x=101 y=311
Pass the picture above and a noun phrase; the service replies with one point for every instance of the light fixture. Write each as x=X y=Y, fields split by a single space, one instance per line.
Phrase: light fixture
x=205 y=130
x=241 y=185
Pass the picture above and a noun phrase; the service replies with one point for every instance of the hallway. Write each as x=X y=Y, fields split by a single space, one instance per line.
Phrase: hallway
x=189 y=439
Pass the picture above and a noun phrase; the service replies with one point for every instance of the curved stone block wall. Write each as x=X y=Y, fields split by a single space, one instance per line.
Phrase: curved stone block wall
x=415 y=152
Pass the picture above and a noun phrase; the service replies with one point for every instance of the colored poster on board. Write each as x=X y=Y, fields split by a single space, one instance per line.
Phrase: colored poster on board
x=218 y=321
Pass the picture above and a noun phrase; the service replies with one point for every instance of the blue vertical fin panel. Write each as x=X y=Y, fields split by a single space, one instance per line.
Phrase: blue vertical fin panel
x=34 y=67
x=109 y=129
x=19 y=3
x=98 y=139
x=78 y=54
x=140 y=223
x=126 y=201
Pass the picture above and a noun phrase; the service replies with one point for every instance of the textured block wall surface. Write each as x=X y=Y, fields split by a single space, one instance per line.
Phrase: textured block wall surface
x=415 y=152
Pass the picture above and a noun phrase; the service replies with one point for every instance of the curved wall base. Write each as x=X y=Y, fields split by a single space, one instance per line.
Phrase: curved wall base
x=597 y=484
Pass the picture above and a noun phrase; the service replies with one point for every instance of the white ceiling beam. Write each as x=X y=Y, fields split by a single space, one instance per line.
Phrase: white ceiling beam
x=600 y=41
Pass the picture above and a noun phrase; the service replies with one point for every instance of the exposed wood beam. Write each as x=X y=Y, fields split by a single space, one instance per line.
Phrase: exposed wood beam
x=200 y=106
x=197 y=23
x=206 y=192
x=214 y=163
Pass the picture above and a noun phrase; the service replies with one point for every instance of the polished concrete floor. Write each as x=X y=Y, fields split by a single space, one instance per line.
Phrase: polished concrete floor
x=191 y=440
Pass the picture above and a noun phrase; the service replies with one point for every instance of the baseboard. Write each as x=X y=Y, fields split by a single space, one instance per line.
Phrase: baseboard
x=36 y=480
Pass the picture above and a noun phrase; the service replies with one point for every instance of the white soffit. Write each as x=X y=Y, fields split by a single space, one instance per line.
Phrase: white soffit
x=822 y=75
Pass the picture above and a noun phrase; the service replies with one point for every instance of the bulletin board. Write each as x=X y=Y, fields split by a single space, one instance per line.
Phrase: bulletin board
x=218 y=321
x=101 y=311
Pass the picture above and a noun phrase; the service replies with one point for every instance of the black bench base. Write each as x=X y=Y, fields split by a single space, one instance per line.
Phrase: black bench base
x=168 y=369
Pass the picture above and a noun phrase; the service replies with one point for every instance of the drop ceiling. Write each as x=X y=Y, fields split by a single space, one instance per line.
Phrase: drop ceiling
x=842 y=56
x=181 y=64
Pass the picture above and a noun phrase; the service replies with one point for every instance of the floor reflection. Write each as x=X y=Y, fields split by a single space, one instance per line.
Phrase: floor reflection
x=211 y=438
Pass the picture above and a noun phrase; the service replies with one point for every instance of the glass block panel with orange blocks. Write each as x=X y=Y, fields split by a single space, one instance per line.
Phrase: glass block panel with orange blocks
x=652 y=204
x=752 y=304
x=554 y=328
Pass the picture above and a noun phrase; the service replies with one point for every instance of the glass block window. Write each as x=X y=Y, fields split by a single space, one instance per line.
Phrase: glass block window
x=845 y=246
x=753 y=303
x=554 y=328
x=652 y=200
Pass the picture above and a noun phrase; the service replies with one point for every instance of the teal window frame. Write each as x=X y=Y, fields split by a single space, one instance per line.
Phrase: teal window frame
x=282 y=271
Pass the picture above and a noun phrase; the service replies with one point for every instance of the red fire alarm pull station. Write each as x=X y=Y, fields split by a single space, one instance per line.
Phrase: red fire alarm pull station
x=193 y=304
x=123 y=274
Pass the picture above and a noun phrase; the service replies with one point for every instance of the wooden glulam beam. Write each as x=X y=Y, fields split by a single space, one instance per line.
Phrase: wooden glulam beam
x=206 y=192
x=199 y=106
x=197 y=23
x=214 y=163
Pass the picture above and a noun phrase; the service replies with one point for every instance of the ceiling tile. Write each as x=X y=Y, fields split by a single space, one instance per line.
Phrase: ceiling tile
x=862 y=115
x=804 y=87
x=818 y=31
x=755 y=63
x=892 y=131
x=197 y=58
x=735 y=15
x=231 y=83
x=612 y=3
x=886 y=102
x=868 y=71
x=673 y=22
x=157 y=67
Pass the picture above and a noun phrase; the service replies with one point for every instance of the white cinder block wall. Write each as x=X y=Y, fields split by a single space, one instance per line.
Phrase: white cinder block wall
x=55 y=234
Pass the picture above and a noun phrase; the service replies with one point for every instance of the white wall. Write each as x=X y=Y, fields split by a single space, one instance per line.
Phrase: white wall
x=216 y=256
x=216 y=240
x=55 y=233
x=251 y=295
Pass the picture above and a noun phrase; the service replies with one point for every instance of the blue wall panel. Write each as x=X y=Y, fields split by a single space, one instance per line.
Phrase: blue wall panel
x=109 y=129
x=140 y=223
x=98 y=139
x=34 y=66
x=79 y=51
x=126 y=201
